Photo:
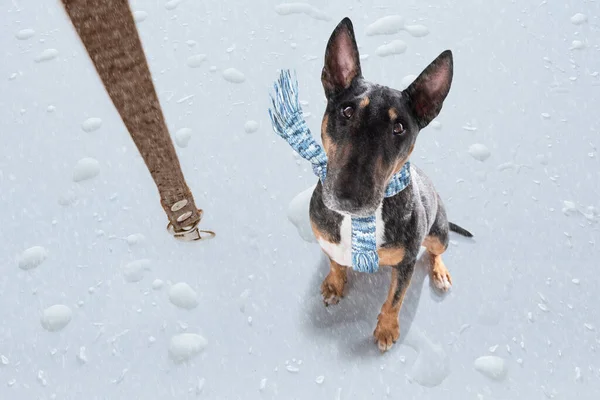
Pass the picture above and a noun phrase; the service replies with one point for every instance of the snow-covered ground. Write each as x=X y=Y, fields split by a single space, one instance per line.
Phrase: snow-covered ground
x=98 y=302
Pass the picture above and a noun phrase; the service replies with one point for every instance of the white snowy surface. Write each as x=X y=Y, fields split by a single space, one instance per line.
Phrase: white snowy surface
x=392 y=48
x=56 y=317
x=491 y=366
x=251 y=126
x=91 y=124
x=86 y=168
x=525 y=286
x=32 y=257
x=234 y=75
x=183 y=137
x=185 y=346
x=479 y=151
x=183 y=296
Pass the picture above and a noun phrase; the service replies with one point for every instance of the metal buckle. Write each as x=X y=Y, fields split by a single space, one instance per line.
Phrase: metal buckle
x=191 y=233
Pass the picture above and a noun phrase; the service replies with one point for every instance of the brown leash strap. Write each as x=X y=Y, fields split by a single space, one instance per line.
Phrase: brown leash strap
x=109 y=34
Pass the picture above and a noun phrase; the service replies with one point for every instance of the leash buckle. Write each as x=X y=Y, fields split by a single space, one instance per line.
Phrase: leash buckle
x=191 y=233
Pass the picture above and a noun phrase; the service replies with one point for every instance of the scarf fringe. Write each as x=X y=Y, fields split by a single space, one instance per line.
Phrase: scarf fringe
x=367 y=261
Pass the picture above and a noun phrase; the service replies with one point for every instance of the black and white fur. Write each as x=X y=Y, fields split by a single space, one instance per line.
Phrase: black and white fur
x=369 y=132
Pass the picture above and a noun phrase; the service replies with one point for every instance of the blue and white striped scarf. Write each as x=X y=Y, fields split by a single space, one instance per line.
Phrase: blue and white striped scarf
x=288 y=122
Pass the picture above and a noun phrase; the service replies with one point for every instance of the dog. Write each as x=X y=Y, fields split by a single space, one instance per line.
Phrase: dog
x=368 y=133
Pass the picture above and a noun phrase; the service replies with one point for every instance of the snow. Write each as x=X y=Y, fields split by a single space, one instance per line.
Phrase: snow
x=577 y=45
x=578 y=19
x=56 y=317
x=82 y=355
x=196 y=60
x=25 y=34
x=135 y=238
x=46 y=55
x=185 y=346
x=406 y=81
x=518 y=88
x=387 y=25
x=394 y=47
x=492 y=367
x=301 y=8
x=91 y=124
x=140 y=15
x=417 y=30
x=134 y=271
x=251 y=126
x=298 y=214
x=182 y=137
x=32 y=257
x=86 y=168
x=479 y=151
x=233 y=75
x=157 y=284
x=172 y=4
x=182 y=295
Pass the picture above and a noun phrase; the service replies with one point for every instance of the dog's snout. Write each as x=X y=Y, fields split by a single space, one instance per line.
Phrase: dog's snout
x=347 y=198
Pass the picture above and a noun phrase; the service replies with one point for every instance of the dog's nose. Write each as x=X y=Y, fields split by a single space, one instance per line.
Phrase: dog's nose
x=347 y=199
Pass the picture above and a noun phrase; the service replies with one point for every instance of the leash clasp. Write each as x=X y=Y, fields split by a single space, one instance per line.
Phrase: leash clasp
x=191 y=233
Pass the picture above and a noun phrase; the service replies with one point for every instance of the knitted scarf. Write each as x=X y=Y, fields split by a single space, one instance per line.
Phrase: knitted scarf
x=288 y=122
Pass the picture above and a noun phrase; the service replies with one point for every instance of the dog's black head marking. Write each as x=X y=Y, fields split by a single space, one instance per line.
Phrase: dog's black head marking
x=369 y=130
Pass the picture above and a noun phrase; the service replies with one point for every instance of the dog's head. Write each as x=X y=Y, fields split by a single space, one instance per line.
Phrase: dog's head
x=369 y=130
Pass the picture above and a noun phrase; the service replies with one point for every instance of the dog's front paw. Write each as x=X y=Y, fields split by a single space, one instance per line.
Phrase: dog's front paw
x=332 y=288
x=387 y=332
x=440 y=277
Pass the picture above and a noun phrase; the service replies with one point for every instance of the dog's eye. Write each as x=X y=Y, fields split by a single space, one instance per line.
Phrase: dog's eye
x=348 y=112
x=398 y=128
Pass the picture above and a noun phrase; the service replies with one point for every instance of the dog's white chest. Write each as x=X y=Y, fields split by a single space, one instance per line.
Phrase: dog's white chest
x=341 y=252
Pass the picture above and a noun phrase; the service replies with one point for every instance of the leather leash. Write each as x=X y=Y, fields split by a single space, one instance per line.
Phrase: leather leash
x=110 y=37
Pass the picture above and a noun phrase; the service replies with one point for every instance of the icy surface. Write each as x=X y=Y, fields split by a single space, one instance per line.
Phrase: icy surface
x=526 y=80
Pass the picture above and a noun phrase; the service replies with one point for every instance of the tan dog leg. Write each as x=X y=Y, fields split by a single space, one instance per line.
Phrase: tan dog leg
x=439 y=274
x=332 y=288
x=387 y=331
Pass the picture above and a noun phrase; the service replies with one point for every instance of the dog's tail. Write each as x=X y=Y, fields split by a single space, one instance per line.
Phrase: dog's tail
x=460 y=230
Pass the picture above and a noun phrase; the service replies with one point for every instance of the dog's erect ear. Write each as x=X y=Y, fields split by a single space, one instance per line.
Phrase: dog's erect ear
x=428 y=91
x=342 y=63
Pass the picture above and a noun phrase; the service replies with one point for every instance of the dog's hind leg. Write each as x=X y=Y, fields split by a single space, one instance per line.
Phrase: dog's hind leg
x=436 y=243
x=332 y=288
